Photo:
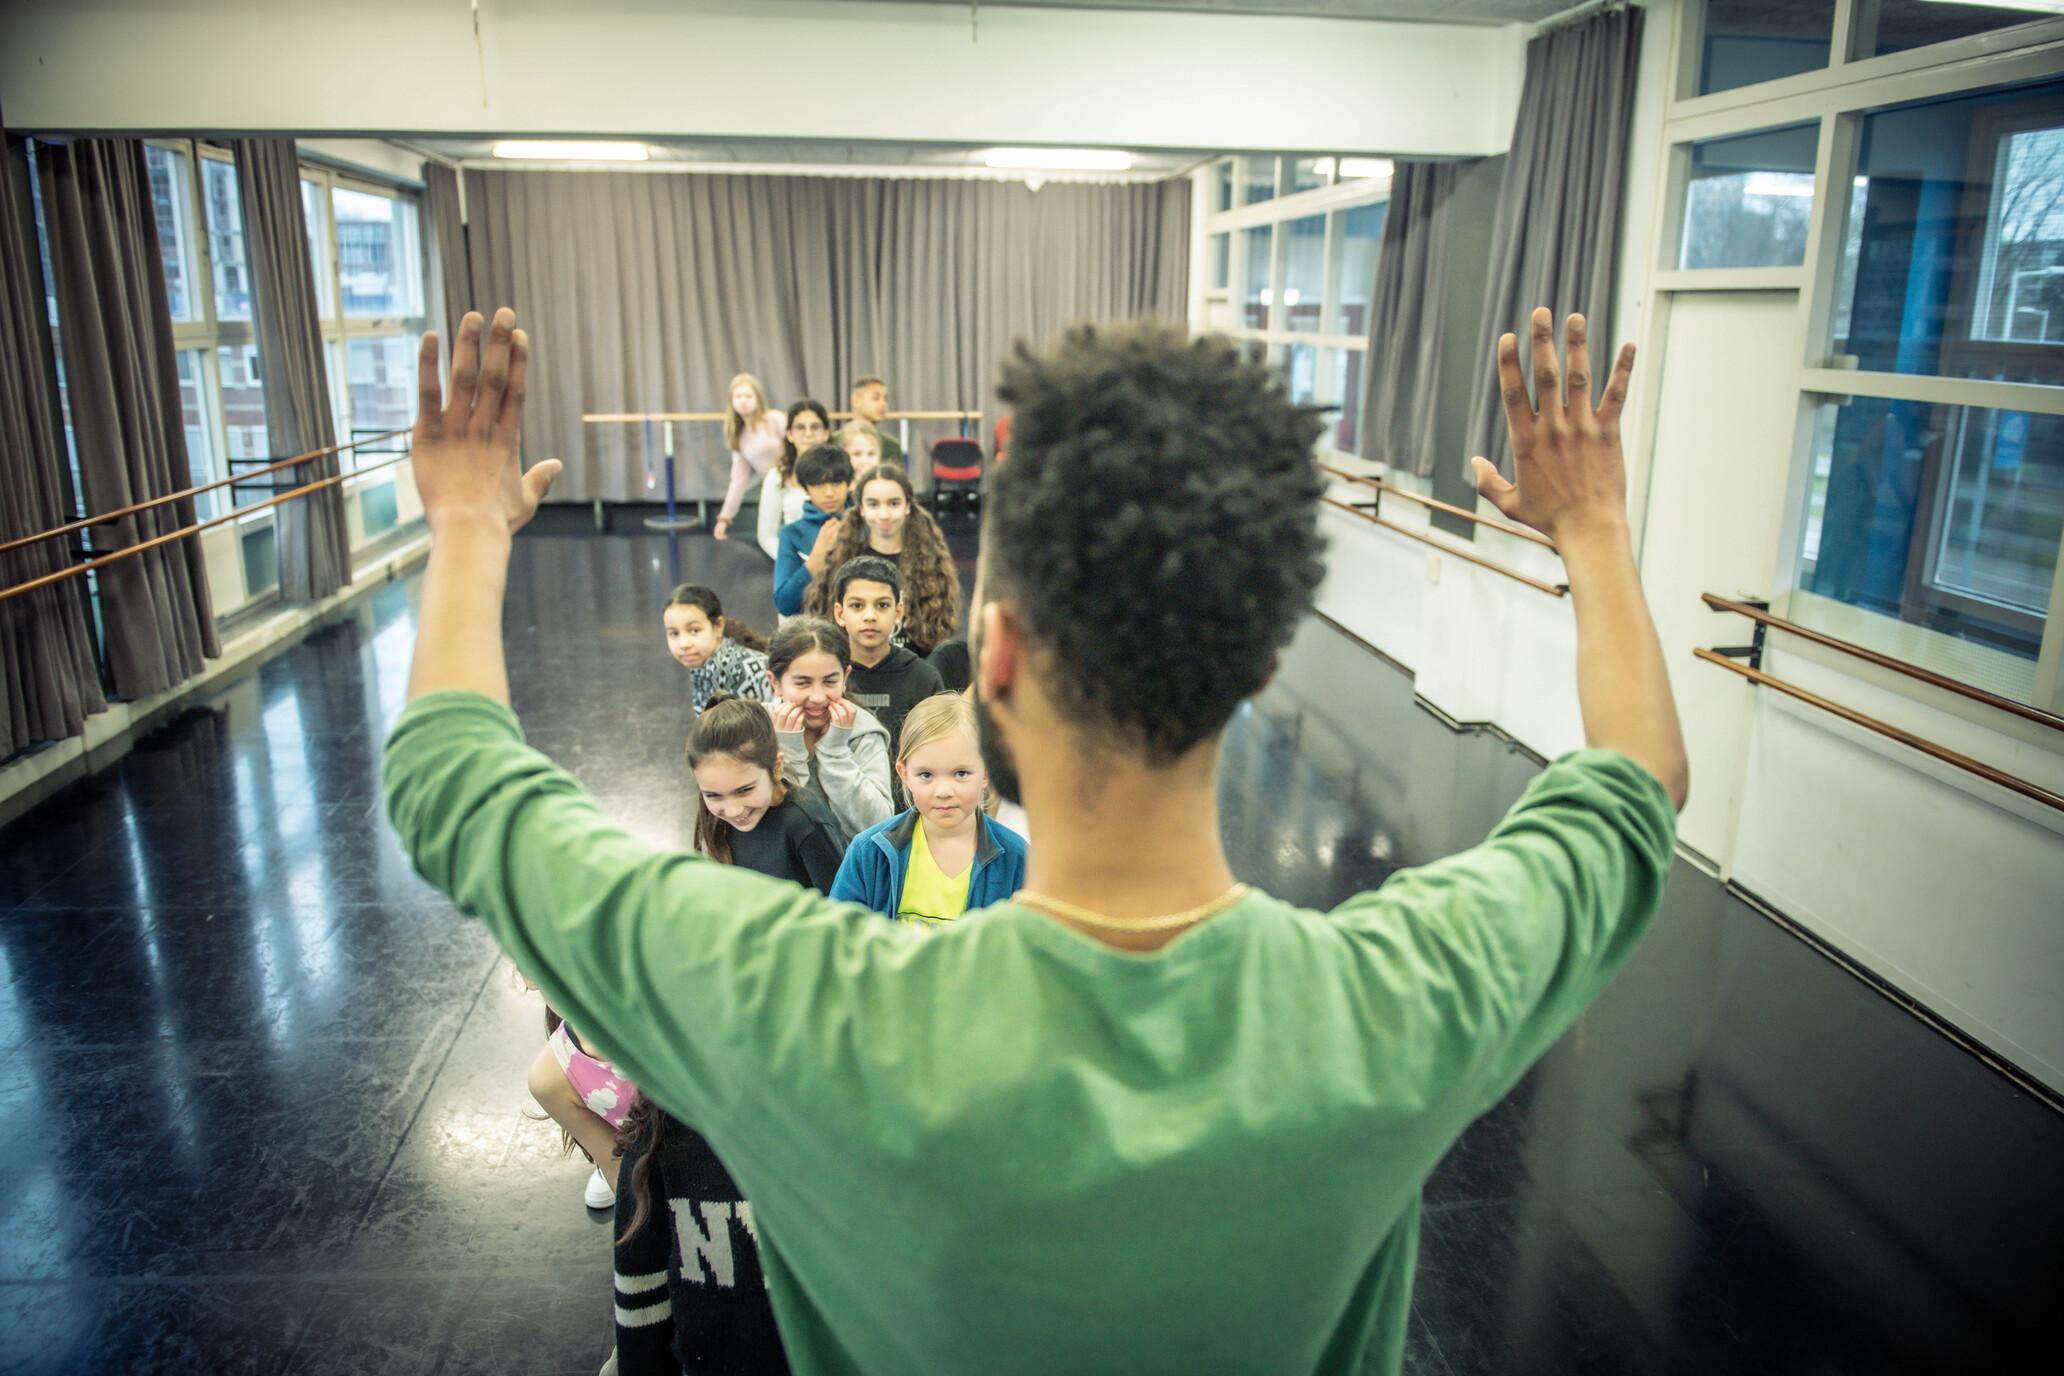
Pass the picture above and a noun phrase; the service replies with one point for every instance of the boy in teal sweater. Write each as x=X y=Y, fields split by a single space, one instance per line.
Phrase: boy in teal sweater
x=1140 y=1118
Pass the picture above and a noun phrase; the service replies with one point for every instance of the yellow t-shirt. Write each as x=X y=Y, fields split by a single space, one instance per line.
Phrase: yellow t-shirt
x=929 y=893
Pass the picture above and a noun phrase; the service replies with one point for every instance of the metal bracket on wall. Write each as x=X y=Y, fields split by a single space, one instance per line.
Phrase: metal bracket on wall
x=1753 y=651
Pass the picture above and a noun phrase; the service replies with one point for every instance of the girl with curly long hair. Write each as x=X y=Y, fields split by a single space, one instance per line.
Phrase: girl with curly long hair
x=886 y=520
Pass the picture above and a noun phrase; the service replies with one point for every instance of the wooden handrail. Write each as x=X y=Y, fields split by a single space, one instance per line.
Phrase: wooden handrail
x=1883 y=661
x=1927 y=747
x=109 y=517
x=130 y=551
x=1552 y=589
x=1409 y=495
x=624 y=417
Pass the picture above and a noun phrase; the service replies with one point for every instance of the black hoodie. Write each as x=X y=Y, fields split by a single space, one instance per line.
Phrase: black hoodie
x=891 y=688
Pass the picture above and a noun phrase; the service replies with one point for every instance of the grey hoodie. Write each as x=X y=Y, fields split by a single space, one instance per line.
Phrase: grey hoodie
x=849 y=772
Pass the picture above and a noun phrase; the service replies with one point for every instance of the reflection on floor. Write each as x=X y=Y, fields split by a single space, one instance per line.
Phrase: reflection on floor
x=265 y=1110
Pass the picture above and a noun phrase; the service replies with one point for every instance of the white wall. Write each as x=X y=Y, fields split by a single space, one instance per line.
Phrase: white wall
x=1947 y=886
x=886 y=71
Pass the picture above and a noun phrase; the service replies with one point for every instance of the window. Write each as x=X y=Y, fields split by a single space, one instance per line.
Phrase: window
x=382 y=375
x=196 y=412
x=379 y=263
x=226 y=240
x=1357 y=235
x=315 y=216
x=1308 y=174
x=1957 y=222
x=1302 y=363
x=1258 y=180
x=1289 y=269
x=1893 y=26
x=1749 y=199
x=1947 y=517
x=243 y=409
x=1256 y=295
x=1747 y=41
x=1347 y=387
x=1304 y=274
x=172 y=206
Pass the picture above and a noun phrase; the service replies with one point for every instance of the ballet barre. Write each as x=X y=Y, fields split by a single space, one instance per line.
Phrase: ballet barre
x=236 y=513
x=109 y=517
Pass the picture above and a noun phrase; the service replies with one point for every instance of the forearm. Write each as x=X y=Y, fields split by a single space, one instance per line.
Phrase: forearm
x=1622 y=685
x=459 y=626
x=734 y=495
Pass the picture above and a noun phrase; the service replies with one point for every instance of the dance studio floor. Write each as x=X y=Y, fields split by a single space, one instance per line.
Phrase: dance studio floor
x=264 y=1108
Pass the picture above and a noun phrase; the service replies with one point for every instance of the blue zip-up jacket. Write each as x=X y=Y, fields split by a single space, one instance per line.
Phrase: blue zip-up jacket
x=791 y=575
x=872 y=872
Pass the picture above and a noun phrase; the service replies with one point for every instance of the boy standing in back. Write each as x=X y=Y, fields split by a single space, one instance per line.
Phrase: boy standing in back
x=869 y=401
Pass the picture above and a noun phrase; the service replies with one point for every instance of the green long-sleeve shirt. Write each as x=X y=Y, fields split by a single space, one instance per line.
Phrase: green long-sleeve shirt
x=1003 y=1147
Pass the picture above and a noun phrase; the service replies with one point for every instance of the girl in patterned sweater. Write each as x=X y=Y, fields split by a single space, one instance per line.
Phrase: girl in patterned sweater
x=721 y=656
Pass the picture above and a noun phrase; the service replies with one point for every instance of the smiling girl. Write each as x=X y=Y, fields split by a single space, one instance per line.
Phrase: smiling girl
x=721 y=655
x=754 y=436
x=833 y=750
x=745 y=812
x=891 y=524
x=943 y=856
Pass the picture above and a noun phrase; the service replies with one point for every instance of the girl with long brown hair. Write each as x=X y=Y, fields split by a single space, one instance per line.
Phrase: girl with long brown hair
x=887 y=520
x=754 y=435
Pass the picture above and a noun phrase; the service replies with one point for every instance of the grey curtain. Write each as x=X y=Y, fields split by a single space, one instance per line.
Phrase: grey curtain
x=314 y=544
x=1558 y=220
x=49 y=677
x=448 y=242
x=646 y=292
x=1401 y=387
x=122 y=385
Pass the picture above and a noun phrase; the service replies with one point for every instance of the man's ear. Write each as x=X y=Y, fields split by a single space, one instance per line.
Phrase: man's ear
x=1002 y=652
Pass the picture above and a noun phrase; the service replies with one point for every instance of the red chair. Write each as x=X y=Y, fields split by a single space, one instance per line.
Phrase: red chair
x=956 y=472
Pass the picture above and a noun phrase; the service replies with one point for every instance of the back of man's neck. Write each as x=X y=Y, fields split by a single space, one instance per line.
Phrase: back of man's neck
x=1141 y=845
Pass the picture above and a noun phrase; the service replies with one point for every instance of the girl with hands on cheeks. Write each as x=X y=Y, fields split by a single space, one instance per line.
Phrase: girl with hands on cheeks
x=833 y=750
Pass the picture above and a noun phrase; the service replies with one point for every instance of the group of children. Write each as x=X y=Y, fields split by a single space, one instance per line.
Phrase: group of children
x=834 y=755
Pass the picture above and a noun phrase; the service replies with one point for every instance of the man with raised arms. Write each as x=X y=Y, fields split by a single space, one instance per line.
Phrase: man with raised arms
x=1141 y=1118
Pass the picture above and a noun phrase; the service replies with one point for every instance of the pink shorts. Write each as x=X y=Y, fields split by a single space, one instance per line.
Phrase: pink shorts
x=607 y=1093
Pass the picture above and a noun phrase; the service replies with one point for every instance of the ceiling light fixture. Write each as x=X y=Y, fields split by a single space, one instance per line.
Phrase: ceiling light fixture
x=1354 y=169
x=570 y=150
x=2034 y=6
x=1060 y=159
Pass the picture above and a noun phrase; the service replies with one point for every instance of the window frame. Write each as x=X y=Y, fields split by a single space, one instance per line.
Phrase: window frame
x=1838 y=98
x=1330 y=202
x=340 y=331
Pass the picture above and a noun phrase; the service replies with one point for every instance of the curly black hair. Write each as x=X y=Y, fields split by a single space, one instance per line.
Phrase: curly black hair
x=1156 y=527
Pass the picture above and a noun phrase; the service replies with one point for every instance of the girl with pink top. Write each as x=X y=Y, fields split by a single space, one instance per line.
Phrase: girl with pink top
x=753 y=434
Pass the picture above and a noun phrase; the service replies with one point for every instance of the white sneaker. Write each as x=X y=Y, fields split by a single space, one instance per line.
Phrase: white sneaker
x=600 y=1194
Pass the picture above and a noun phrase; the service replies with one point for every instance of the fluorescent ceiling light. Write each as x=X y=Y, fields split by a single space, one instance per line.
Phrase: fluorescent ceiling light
x=570 y=150
x=1060 y=159
x=2036 y=6
x=1354 y=169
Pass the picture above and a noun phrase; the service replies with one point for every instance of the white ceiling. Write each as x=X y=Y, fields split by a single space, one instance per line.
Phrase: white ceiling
x=1419 y=11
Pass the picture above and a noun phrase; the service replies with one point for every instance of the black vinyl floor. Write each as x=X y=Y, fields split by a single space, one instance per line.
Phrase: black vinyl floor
x=264 y=1107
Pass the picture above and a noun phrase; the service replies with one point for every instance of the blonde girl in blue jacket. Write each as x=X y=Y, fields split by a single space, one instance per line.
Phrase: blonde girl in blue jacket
x=942 y=856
